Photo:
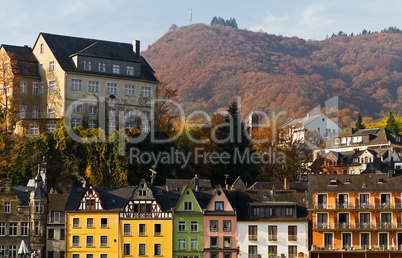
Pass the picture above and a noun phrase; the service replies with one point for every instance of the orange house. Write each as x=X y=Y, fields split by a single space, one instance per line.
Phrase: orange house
x=356 y=215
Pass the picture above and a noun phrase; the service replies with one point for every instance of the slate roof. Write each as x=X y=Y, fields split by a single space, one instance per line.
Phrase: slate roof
x=182 y=183
x=377 y=136
x=238 y=184
x=26 y=60
x=65 y=47
x=57 y=202
x=302 y=121
x=23 y=193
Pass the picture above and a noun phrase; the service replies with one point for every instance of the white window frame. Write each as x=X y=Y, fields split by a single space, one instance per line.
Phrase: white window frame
x=181 y=244
x=156 y=246
x=146 y=92
x=76 y=121
x=102 y=67
x=74 y=243
x=51 y=65
x=87 y=244
x=139 y=249
x=24 y=87
x=7 y=207
x=129 y=90
x=2 y=228
x=116 y=69
x=51 y=127
x=93 y=86
x=188 y=206
x=92 y=123
x=92 y=109
x=23 y=111
x=37 y=88
x=104 y=244
x=76 y=84
x=126 y=233
x=77 y=108
x=130 y=70
x=51 y=112
x=35 y=112
x=34 y=129
x=112 y=88
x=88 y=65
x=74 y=224
x=24 y=228
x=124 y=249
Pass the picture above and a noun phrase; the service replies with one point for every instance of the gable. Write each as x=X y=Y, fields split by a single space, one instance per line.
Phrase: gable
x=219 y=196
x=90 y=200
x=187 y=197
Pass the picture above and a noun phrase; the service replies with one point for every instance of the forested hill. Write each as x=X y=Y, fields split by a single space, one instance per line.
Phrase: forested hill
x=212 y=65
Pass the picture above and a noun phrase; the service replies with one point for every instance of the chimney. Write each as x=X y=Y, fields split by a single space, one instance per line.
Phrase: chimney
x=286 y=184
x=136 y=47
x=196 y=183
x=273 y=189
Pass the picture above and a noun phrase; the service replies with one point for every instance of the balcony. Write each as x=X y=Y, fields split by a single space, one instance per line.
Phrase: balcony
x=342 y=225
x=322 y=225
x=363 y=225
x=252 y=237
x=384 y=205
x=254 y=256
x=364 y=206
x=272 y=237
x=292 y=237
x=355 y=248
x=344 y=205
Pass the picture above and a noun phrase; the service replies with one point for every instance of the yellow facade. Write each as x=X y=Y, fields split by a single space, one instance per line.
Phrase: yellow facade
x=91 y=225
x=152 y=239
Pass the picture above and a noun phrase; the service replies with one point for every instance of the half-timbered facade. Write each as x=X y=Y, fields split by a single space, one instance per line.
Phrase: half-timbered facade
x=146 y=227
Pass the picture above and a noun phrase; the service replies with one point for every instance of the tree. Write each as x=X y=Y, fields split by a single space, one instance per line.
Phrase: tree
x=219 y=20
x=358 y=124
x=8 y=90
x=391 y=123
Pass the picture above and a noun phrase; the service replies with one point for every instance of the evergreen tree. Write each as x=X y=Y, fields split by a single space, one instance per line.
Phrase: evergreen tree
x=358 y=124
x=391 y=123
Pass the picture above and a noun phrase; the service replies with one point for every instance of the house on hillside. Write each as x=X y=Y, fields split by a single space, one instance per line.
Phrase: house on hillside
x=92 y=83
x=321 y=124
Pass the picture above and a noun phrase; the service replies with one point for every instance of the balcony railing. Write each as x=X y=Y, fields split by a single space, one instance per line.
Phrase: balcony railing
x=358 y=205
x=292 y=237
x=356 y=248
x=254 y=256
x=363 y=225
x=252 y=237
x=364 y=205
x=383 y=205
x=358 y=225
x=272 y=237
x=342 y=225
x=323 y=225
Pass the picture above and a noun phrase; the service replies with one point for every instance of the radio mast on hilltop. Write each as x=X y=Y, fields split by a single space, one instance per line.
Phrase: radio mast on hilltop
x=191 y=15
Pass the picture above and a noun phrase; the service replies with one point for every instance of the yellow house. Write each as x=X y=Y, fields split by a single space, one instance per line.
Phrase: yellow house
x=92 y=221
x=146 y=224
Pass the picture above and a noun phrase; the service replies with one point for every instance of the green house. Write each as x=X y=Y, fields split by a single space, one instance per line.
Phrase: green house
x=188 y=234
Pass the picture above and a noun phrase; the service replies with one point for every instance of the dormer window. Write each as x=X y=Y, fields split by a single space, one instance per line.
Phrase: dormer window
x=116 y=69
x=219 y=206
x=188 y=206
x=337 y=141
x=142 y=193
x=347 y=180
x=333 y=182
x=130 y=70
x=102 y=67
x=343 y=140
x=87 y=65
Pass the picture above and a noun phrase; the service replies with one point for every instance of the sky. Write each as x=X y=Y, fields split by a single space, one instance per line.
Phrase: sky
x=149 y=20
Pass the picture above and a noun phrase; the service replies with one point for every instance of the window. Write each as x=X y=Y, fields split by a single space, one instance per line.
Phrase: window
x=194 y=226
x=127 y=229
x=12 y=251
x=141 y=249
x=24 y=87
x=130 y=70
x=116 y=69
x=213 y=225
x=272 y=233
x=227 y=242
x=214 y=242
x=51 y=112
x=364 y=240
x=7 y=207
x=76 y=222
x=93 y=86
x=337 y=141
x=194 y=244
x=41 y=70
x=92 y=109
x=92 y=123
x=157 y=249
x=103 y=222
x=77 y=108
x=272 y=250
x=227 y=225
x=2 y=228
x=34 y=129
x=145 y=127
x=219 y=206
x=51 y=66
x=214 y=255
x=102 y=67
x=157 y=229
x=182 y=244
x=292 y=233
x=252 y=233
x=129 y=113
x=111 y=88
x=129 y=90
x=50 y=254
x=23 y=111
x=76 y=241
x=90 y=241
x=12 y=228
x=87 y=65
x=256 y=211
x=103 y=241
x=252 y=251
x=37 y=88
x=182 y=226
x=90 y=222
x=103 y=256
x=146 y=92
x=35 y=112
x=50 y=233
x=89 y=255
x=75 y=122
x=62 y=235
x=188 y=206
x=288 y=212
x=126 y=249
x=292 y=251
x=142 y=230
x=42 y=48
x=51 y=127
x=76 y=84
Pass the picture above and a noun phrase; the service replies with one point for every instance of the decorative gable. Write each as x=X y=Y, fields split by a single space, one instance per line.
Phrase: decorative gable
x=91 y=200
x=188 y=202
x=143 y=205
x=219 y=202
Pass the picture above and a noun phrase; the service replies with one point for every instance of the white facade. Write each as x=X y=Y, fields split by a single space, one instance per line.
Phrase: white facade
x=262 y=243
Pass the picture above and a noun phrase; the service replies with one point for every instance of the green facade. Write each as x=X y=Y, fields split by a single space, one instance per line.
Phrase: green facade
x=193 y=222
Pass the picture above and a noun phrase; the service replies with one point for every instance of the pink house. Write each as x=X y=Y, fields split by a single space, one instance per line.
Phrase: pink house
x=220 y=227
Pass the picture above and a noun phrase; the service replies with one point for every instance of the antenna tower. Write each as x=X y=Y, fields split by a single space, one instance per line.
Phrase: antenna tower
x=191 y=15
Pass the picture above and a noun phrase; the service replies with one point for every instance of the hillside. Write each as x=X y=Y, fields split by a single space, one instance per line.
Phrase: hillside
x=212 y=65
